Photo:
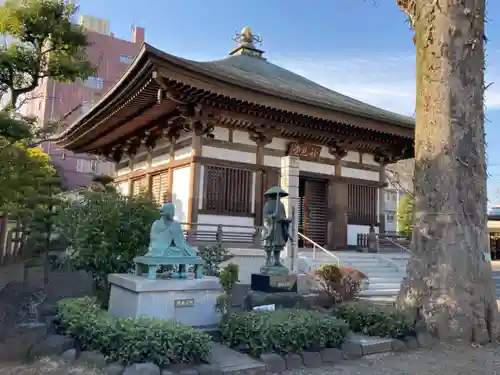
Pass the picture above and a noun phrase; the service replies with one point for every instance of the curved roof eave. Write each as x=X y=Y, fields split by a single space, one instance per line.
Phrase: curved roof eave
x=207 y=69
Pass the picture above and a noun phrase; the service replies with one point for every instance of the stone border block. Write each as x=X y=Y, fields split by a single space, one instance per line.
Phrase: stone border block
x=331 y=355
x=293 y=361
x=311 y=359
x=205 y=369
x=114 y=368
x=351 y=350
x=92 y=357
x=425 y=339
x=398 y=346
x=411 y=342
x=273 y=362
x=69 y=355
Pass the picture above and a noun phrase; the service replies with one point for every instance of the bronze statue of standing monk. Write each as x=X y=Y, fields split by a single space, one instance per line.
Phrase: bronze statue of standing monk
x=276 y=231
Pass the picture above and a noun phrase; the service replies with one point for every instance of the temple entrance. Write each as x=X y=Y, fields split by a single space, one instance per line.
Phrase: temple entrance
x=313 y=207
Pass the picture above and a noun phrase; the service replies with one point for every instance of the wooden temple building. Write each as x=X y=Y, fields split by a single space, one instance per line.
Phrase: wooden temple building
x=209 y=136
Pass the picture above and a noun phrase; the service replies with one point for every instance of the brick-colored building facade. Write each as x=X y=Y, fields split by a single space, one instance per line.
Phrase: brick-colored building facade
x=66 y=102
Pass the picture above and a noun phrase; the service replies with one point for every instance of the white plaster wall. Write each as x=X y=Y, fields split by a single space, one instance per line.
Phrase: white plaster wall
x=183 y=153
x=248 y=260
x=180 y=192
x=308 y=166
x=160 y=159
x=124 y=188
x=242 y=137
x=229 y=223
x=272 y=161
x=122 y=171
x=278 y=144
x=140 y=165
x=368 y=159
x=225 y=154
x=354 y=230
x=359 y=173
x=222 y=134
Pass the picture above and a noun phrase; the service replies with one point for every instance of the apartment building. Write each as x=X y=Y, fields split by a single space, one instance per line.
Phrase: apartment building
x=54 y=101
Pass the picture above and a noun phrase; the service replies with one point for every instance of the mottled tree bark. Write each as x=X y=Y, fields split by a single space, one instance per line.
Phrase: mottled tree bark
x=449 y=282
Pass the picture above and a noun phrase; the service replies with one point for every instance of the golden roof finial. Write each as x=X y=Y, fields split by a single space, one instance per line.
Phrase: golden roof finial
x=246 y=43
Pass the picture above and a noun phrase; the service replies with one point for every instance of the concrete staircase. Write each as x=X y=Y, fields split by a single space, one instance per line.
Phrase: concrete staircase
x=385 y=271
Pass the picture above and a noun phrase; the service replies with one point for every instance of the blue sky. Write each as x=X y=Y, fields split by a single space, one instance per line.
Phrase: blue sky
x=362 y=48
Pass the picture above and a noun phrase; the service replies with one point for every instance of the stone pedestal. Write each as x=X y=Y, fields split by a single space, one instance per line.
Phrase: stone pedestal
x=274 y=283
x=290 y=183
x=189 y=302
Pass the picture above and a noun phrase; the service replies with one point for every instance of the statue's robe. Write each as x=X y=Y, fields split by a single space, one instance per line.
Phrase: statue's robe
x=167 y=240
x=276 y=224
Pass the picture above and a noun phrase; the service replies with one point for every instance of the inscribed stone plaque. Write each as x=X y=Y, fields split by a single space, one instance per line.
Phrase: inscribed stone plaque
x=304 y=151
x=178 y=303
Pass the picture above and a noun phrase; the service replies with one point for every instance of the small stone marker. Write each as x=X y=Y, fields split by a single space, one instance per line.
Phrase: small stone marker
x=179 y=303
x=265 y=307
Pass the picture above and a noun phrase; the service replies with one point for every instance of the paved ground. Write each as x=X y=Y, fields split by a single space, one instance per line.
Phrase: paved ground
x=443 y=360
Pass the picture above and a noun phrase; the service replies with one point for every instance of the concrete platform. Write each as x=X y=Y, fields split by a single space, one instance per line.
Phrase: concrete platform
x=189 y=302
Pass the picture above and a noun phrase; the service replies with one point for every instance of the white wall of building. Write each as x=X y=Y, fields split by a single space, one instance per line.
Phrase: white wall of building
x=180 y=192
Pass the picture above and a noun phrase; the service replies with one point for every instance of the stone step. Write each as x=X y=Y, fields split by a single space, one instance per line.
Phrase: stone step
x=232 y=362
x=379 y=292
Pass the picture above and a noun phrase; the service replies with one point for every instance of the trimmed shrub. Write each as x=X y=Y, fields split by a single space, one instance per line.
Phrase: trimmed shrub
x=131 y=340
x=282 y=331
x=375 y=320
x=337 y=284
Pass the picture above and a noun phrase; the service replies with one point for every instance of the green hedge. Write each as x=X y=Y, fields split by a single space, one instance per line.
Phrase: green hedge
x=374 y=320
x=282 y=331
x=131 y=340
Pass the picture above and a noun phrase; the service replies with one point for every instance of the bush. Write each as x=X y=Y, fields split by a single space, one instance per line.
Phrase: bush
x=131 y=340
x=282 y=331
x=375 y=320
x=228 y=279
x=213 y=257
x=105 y=231
x=338 y=284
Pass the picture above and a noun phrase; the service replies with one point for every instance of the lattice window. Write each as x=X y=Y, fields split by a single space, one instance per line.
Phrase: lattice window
x=139 y=186
x=159 y=187
x=227 y=190
x=362 y=204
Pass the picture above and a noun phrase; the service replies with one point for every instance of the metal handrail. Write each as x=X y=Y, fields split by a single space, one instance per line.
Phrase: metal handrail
x=395 y=243
x=315 y=245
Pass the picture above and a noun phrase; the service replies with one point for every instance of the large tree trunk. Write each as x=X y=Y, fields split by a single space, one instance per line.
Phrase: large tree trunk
x=449 y=283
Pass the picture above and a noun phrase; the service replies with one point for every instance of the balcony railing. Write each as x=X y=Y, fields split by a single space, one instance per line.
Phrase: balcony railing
x=235 y=236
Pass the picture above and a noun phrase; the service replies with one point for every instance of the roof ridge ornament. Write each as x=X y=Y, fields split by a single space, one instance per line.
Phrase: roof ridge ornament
x=246 y=43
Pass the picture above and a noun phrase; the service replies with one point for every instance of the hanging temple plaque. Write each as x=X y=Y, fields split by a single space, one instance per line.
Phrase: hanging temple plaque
x=304 y=151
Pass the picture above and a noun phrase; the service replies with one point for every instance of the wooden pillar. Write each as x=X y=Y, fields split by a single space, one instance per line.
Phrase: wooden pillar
x=337 y=214
x=261 y=142
x=194 y=193
x=149 y=178
x=336 y=236
x=381 y=198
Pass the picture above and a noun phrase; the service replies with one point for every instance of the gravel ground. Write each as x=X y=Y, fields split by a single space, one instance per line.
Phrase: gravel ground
x=441 y=360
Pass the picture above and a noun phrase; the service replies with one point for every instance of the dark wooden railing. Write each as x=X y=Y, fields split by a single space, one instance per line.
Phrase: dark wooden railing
x=236 y=236
x=385 y=241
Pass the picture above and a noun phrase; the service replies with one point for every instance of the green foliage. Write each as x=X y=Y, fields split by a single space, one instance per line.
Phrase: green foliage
x=375 y=320
x=228 y=278
x=282 y=331
x=213 y=257
x=106 y=230
x=46 y=43
x=338 y=284
x=131 y=340
x=405 y=215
